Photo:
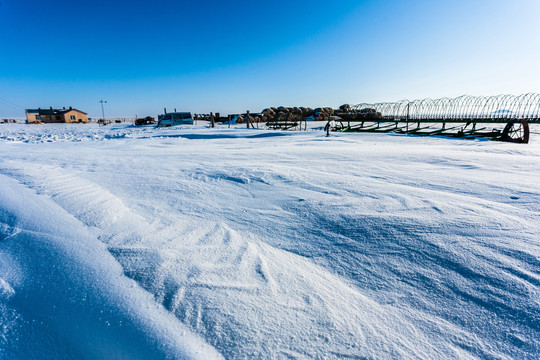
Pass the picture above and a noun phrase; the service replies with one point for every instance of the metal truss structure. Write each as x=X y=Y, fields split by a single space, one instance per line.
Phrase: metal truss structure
x=431 y=116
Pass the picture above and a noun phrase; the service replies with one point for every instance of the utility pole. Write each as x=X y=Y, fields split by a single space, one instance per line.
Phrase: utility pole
x=103 y=111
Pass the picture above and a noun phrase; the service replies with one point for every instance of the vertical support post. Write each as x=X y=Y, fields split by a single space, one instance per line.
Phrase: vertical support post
x=247 y=119
x=103 y=111
x=408 y=107
x=328 y=126
x=212 y=119
x=408 y=118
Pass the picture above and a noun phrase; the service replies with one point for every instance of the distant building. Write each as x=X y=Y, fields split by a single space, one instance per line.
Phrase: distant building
x=56 y=116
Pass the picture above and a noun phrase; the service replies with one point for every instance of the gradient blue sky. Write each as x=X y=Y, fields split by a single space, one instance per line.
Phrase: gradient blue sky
x=230 y=56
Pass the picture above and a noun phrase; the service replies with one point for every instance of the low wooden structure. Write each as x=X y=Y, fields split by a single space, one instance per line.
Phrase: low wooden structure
x=70 y=115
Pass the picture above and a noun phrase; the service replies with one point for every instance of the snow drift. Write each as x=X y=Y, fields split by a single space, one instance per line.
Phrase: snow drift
x=194 y=242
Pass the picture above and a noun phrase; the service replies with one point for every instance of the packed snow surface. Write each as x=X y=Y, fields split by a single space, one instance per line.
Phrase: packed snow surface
x=198 y=243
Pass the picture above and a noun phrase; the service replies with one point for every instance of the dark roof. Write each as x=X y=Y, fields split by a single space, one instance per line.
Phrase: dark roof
x=49 y=112
x=52 y=112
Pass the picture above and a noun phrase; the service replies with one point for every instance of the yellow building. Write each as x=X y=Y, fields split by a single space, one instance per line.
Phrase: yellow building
x=51 y=115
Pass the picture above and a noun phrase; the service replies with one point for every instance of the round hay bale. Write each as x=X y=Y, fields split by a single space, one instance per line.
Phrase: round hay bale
x=284 y=109
x=345 y=108
x=295 y=117
x=308 y=112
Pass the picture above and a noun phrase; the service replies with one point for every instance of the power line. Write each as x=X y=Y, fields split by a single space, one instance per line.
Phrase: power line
x=7 y=102
x=12 y=107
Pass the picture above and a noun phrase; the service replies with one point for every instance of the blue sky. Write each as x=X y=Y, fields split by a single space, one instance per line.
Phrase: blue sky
x=231 y=56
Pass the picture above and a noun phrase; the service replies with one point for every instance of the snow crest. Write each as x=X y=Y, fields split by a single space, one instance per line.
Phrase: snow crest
x=211 y=277
x=70 y=298
x=254 y=245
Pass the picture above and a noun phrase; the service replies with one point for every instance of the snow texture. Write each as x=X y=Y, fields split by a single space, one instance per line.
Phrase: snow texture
x=190 y=242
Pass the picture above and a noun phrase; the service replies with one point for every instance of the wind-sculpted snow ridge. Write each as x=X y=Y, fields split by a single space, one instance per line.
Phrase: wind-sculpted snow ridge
x=234 y=290
x=63 y=296
x=51 y=133
x=297 y=246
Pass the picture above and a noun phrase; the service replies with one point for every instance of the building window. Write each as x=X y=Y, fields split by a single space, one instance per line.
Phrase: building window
x=72 y=117
x=58 y=117
x=38 y=117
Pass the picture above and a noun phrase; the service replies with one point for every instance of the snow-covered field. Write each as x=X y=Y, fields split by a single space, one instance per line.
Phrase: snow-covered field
x=190 y=242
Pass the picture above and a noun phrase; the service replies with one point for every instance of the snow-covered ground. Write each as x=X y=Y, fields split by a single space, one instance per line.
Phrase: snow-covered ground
x=190 y=242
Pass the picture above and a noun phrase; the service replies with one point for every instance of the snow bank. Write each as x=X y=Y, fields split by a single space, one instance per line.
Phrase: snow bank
x=56 y=275
x=246 y=297
x=269 y=244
